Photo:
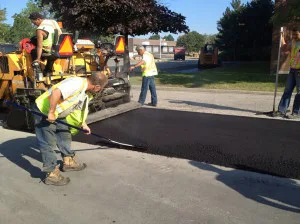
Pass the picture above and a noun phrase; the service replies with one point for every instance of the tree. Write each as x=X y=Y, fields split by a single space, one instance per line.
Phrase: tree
x=154 y=37
x=107 y=38
x=22 y=27
x=135 y=17
x=168 y=38
x=211 y=39
x=236 y=4
x=245 y=33
x=286 y=12
x=192 y=41
x=4 y=28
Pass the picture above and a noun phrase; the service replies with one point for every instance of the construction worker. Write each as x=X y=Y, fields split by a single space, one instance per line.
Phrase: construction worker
x=67 y=101
x=149 y=70
x=293 y=78
x=44 y=39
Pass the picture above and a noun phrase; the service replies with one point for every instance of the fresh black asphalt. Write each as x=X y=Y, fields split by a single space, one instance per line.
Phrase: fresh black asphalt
x=260 y=145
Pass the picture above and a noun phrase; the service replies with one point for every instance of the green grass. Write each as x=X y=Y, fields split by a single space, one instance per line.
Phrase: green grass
x=244 y=76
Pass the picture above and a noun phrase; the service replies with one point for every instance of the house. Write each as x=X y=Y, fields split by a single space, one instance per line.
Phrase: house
x=152 y=46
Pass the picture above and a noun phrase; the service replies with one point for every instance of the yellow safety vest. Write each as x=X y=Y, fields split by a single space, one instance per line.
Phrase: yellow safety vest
x=295 y=56
x=48 y=42
x=149 y=68
x=76 y=117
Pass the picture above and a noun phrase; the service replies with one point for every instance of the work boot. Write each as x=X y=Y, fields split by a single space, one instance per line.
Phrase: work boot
x=152 y=105
x=278 y=114
x=70 y=164
x=55 y=178
x=293 y=116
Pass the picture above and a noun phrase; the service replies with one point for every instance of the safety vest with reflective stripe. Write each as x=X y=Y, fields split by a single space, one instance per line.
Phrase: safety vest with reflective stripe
x=149 y=68
x=49 y=29
x=76 y=117
x=295 y=56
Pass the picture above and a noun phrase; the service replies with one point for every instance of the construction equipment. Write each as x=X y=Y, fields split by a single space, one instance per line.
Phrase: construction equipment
x=208 y=57
x=22 y=81
x=6 y=48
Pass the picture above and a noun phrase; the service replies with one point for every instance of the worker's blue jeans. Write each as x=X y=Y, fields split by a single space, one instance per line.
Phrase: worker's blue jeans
x=148 y=82
x=50 y=137
x=293 y=80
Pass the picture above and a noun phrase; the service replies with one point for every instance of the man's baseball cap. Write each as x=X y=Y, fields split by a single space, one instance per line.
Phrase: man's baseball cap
x=35 y=15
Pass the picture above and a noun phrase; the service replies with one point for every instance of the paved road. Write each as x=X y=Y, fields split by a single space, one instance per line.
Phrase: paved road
x=128 y=187
x=166 y=65
x=121 y=186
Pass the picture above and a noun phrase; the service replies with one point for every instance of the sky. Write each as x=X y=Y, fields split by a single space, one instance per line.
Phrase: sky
x=201 y=15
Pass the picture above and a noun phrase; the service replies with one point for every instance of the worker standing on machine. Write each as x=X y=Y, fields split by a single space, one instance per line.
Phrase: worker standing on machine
x=43 y=40
x=67 y=101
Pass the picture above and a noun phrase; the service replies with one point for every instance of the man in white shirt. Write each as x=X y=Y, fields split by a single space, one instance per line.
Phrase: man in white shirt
x=149 y=70
x=66 y=101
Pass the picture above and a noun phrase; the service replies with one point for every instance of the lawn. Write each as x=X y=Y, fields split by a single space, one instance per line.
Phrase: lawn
x=241 y=76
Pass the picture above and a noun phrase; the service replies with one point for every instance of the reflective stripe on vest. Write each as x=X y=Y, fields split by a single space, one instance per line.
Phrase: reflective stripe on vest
x=149 y=68
x=48 y=42
x=43 y=101
x=78 y=117
x=295 y=56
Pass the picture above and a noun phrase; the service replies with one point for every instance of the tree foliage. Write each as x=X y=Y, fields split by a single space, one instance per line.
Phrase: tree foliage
x=192 y=41
x=286 y=12
x=4 y=28
x=168 y=38
x=210 y=38
x=107 y=38
x=154 y=37
x=135 y=17
x=236 y=4
x=22 y=26
x=245 y=32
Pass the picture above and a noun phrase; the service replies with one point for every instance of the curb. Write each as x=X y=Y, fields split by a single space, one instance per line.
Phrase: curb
x=183 y=89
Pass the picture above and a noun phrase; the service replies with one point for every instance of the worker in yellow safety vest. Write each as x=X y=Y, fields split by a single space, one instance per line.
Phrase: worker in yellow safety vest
x=293 y=78
x=44 y=39
x=149 y=70
x=67 y=101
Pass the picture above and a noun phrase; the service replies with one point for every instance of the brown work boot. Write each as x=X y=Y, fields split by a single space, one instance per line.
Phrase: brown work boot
x=55 y=178
x=70 y=164
x=152 y=105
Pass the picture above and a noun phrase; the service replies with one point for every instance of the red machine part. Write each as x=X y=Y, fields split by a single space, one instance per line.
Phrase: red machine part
x=26 y=45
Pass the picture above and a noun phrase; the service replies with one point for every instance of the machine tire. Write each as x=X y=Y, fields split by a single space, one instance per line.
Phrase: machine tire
x=126 y=99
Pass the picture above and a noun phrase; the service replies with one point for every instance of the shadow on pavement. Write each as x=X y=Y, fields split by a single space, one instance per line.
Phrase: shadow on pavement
x=17 y=149
x=266 y=190
x=208 y=105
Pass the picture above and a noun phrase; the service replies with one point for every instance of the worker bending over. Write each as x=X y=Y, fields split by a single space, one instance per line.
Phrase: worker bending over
x=67 y=101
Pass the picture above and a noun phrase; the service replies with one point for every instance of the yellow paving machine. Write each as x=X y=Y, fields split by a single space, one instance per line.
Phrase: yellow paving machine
x=22 y=81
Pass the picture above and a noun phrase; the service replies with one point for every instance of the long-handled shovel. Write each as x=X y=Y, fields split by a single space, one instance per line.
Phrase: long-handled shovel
x=104 y=139
x=277 y=70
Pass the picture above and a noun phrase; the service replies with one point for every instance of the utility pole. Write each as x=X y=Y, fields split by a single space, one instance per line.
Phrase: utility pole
x=159 y=47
